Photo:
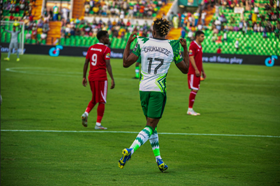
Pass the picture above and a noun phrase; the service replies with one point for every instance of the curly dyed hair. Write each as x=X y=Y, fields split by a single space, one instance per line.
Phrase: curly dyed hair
x=161 y=26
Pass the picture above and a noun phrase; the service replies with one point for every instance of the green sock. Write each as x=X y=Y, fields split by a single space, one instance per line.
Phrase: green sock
x=142 y=137
x=155 y=144
x=137 y=72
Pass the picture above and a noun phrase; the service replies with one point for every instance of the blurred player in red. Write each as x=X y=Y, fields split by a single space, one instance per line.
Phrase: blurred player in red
x=195 y=69
x=98 y=56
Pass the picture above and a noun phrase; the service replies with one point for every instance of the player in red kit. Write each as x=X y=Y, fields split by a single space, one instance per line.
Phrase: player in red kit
x=195 y=69
x=98 y=56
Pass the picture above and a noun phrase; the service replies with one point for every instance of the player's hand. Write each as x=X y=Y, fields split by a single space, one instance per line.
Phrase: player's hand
x=85 y=82
x=204 y=75
x=197 y=73
x=112 y=84
x=132 y=37
x=183 y=43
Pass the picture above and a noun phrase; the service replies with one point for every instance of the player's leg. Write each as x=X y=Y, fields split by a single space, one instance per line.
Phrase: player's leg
x=137 y=70
x=9 y=52
x=16 y=48
x=155 y=144
x=153 y=104
x=102 y=96
x=193 y=83
x=140 y=140
x=154 y=140
x=91 y=104
x=143 y=135
x=155 y=110
x=100 y=112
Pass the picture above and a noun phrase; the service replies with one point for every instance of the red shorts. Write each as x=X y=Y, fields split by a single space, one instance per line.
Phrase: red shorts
x=193 y=82
x=99 y=91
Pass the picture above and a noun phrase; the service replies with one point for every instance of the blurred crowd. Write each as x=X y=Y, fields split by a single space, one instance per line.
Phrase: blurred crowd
x=16 y=9
x=123 y=8
x=222 y=22
x=267 y=21
x=21 y=11
x=116 y=28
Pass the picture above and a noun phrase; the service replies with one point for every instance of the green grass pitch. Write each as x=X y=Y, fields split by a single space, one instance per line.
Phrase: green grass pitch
x=46 y=93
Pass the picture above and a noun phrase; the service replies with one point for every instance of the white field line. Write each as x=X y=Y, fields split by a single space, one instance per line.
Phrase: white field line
x=25 y=70
x=130 y=132
x=53 y=72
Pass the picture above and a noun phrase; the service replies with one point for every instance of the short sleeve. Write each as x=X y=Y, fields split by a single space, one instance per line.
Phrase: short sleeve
x=137 y=50
x=175 y=44
x=88 y=54
x=139 y=59
x=192 y=50
x=107 y=54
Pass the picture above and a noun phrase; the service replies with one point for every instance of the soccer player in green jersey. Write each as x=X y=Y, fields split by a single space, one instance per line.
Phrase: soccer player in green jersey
x=156 y=55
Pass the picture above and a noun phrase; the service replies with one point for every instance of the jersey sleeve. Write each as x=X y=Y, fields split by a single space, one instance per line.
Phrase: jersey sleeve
x=192 y=50
x=175 y=44
x=107 y=54
x=137 y=50
x=139 y=59
x=88 y=54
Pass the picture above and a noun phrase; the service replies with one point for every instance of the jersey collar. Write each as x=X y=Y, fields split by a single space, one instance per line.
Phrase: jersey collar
x=157 y=38
x=100 y=43
x=197 y=44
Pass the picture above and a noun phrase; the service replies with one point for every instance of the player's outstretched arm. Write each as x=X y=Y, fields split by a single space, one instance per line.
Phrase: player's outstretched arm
x=129 y=59
x=8 y=31
x=109 y=69
x=19 y=29
x=85 y=72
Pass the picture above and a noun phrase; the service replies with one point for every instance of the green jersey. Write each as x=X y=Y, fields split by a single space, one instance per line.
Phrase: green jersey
x=156 y=56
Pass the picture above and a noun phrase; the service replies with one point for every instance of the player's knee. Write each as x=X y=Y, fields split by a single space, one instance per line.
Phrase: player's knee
x=152 y=122
x=194 y=90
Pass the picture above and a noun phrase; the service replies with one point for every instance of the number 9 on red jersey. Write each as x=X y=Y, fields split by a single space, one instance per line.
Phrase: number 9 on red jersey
x=98 y=54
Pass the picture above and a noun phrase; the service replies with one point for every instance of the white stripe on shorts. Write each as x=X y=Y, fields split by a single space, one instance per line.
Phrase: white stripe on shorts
x=191 y=83
x=104 y=96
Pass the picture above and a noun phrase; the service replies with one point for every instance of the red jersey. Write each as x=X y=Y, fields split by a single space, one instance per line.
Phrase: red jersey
x=97 y=54
x=196 y=51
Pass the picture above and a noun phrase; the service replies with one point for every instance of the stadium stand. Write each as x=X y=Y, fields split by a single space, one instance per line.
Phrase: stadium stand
x=129 y=8
x=255 y=32
x=78 y=9
x=17 y=9
x=235 y=34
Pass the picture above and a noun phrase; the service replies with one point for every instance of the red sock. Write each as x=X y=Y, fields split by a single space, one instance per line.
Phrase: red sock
x=100 y=112
x=90 y=106
x=191 y=99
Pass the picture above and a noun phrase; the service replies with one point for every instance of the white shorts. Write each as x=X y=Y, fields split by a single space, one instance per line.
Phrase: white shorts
x=13 y=45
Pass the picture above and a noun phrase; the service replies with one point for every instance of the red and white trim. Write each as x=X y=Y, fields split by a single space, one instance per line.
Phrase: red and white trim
x=191 y=83
x=104 y=96
x=193 y=92
x=197 y=44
